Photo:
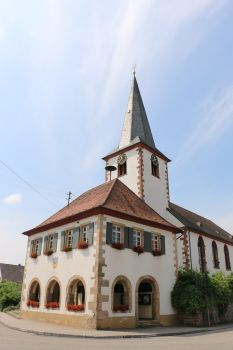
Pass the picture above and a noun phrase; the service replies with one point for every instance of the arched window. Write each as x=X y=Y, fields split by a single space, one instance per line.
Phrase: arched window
x=227 y=258
x=154 y=165
x=76 y=296
x=121 y=295
x=53 y=295
x=215 y=255
x=34 y=295
x=201 y=252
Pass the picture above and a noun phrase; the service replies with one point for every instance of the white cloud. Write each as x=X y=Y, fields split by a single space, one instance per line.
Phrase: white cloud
x=215 y=118
x=13 y=199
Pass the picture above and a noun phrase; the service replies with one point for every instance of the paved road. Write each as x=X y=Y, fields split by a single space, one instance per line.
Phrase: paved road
x=16 y=340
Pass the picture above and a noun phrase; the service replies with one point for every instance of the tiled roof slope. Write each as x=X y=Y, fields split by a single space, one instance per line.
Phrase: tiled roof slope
x=200 y=224
x=12 y=273
x=111 y=197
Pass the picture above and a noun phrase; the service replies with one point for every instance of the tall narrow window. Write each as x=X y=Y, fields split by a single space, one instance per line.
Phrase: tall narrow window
x=137 y=238
x=156 y=246
x=122 y=164
x=201 y=251
x=116 y=234
x=227 y=258
x=215 y=255
x=154 y=166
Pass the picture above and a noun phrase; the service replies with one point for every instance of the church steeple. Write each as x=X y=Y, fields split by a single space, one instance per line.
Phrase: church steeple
x=136 y=127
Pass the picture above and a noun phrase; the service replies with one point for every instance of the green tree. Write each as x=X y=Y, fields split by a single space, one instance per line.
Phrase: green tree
x=9 y=294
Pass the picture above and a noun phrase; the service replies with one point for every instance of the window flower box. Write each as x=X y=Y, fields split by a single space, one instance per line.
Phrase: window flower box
x=67 y=249
x=33 y=255
x=76 y=308
x=52 y=305
x=120 y=308
x=118 y=246
x=33 y=303
x=48 y=252
x=138 y=249
x=156 y=252
x=82 y=245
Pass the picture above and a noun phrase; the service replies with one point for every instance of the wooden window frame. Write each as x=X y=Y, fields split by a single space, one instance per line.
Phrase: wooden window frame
x=137 y=231
x=68 y=239
x=155 y=242
x=81 y=237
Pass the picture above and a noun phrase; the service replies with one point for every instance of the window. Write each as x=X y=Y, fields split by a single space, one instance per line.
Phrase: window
x=201 y=252
x=122 y=169
x=156 y=246
x=76 y=296
x=137 y=238
x=84 y=234
x=53 y=295
x=34 y=295
x=50 y=244
x=116 y=234
x=154 y=166
x=227 y=258
x=121 y=291
x=215 y=255
x=68 y=239
x=36 y=247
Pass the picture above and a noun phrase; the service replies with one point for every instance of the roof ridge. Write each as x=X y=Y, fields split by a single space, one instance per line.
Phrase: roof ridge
x=109 y=191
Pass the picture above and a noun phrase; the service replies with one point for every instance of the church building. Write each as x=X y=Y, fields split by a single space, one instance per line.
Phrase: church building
x=110 y=259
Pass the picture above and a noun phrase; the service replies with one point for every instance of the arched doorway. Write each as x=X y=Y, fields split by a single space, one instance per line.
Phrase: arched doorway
x=53 y=295
x=34 y=294
x=76 y=296
x=147 y=301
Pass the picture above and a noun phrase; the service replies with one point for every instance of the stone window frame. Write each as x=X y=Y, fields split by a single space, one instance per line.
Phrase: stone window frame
x=202 y=254
x=154 y=168
x=53 y=279
x=127 y=287
x=216 y=262
x=227 y=258
x=73 y=279
x=34 y=281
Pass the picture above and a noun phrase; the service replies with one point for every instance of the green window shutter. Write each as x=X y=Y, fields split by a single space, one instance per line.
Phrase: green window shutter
x=126 y=237
x=162 y=242
x=76 y=234
x=39 y=246
x=45 y=243
x=147 y=242
x=62 y=240
x=109 y=233
x=55 y=242
x=130 y=238
x=91 y=233
x=31 y=246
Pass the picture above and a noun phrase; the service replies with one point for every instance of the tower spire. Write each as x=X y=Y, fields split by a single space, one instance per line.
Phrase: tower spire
x=136 y=126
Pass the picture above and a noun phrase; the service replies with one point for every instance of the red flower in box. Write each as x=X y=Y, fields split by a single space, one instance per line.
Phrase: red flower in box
x=52 y=305
x=33 y=303
x=120 y=308
x=156 y=252
x=138 y=249
x=67 y=249
x=76 y=308
x=33 y=255
x=118 y=246
x=82 y=245
x=48 y=252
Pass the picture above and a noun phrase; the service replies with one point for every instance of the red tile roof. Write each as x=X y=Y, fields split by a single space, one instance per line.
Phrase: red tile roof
x=113 y=198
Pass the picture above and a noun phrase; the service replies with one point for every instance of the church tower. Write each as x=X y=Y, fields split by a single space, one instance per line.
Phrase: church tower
x=137 y=161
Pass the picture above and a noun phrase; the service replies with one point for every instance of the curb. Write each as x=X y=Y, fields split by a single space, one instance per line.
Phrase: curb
x=127 y=336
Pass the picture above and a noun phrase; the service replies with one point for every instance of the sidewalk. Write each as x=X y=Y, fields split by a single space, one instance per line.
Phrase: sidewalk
x=49 y=329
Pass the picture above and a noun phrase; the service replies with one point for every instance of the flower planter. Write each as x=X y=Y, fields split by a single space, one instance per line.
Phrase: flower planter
x=82 y=245
x=120 y=308
x=33 y=303
x=33 y=255
x=156 y=252
x=138 y=249
x=75 y=308
x=48 y=252
x=67 y=249
x=118 y=246
x=52 y=305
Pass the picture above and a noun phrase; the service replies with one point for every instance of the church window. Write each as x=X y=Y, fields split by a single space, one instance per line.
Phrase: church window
x=154 y=166
x=137 y=238
x=201 y=252
x=215 y=255
x=227 y=258
x=122 y=164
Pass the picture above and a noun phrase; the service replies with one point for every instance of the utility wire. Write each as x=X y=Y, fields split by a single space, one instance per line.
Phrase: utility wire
x=28 y=184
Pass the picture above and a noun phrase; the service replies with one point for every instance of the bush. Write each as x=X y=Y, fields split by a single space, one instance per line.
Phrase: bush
x=193 y=292
x=9 y=294
x=222 y=292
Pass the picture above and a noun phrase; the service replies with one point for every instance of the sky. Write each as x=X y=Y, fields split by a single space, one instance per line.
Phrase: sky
x=65 y=77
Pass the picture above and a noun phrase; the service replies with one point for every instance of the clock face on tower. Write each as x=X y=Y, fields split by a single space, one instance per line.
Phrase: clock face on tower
x=154 y=160
x=121 y=159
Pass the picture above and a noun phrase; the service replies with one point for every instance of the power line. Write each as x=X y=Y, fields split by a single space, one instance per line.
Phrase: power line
x=28 y=184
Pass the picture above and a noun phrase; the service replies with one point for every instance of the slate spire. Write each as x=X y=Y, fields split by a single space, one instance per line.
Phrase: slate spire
x=136 y=126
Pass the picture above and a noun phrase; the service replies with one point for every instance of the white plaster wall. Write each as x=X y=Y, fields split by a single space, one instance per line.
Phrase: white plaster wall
x=131 y=178
x=133 y=266
x=179 y=243
x=155 y=189
x=78 y=262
